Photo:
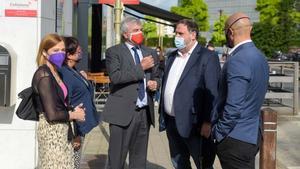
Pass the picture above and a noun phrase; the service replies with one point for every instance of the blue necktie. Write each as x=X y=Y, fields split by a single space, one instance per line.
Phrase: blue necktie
x=141 y=91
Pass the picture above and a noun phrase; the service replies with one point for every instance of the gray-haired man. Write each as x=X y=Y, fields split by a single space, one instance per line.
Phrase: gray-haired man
x=129 y=109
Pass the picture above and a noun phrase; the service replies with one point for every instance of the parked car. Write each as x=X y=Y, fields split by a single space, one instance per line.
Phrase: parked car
x=279 y=56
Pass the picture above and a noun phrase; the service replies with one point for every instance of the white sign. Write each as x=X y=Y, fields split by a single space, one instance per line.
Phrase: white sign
x=20 y=8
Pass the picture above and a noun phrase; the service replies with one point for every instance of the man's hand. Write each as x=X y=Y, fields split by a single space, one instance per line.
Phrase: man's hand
x=205 y=129
x=147 y=62
x=83 y=73
x=152 y=85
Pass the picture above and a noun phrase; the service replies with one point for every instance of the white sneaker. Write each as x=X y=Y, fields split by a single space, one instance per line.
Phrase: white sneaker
x=156 y=103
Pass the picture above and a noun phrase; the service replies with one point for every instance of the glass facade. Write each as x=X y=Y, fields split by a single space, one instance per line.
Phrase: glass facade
x=229 y=7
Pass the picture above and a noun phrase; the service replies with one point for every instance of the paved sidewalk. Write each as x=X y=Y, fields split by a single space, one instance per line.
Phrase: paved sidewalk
x=288 y=145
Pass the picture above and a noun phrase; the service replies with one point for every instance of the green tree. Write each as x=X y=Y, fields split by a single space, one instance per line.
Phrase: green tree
x=268 y=10
x=278 y=28
x=268 y=38
x=194 y=9
x=149 y=28
x=218 y=36
x=202 y=40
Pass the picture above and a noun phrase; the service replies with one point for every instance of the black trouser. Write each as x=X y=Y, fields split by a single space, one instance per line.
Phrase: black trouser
x=209 y=151
x=182 y=148
x=236 y=154
x=132 y=139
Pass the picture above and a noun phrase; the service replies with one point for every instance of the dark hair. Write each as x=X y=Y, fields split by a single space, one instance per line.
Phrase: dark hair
x=210 y=44
x=191 y=26
x=71 y=45
x=158 y=47
x=161 y=55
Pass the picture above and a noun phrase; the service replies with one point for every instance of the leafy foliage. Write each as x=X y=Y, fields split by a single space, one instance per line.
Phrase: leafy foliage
x=202 y=40
x=218 y=36
x=279 y=26
x=268 y=10
x=149 y=28
x=268 y=38
x=194 y=9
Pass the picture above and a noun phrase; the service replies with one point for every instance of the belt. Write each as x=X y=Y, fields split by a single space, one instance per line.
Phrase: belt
x=169 y=117
x=140 y=108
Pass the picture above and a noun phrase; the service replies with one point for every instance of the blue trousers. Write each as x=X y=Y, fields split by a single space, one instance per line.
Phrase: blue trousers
x=182 y=148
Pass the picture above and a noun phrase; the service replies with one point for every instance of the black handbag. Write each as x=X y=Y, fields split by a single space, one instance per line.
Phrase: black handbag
x=26 y=110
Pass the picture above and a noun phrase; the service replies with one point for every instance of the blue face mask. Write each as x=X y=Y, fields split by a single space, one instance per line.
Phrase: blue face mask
x=179 y=42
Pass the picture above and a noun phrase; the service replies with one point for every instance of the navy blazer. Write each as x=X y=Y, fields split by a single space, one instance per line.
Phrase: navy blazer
x=195 y=92
x=243 y=85
x=80 y=92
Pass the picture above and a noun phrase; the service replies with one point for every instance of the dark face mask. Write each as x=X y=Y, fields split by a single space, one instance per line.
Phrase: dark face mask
x=76 y=60
x=228 y=41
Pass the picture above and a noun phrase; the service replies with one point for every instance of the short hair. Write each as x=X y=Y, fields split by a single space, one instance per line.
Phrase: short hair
x=71 y=45
x=129 y=20
x=191 y=26
x=49 y=41
x=210 y=44
x=158 y=47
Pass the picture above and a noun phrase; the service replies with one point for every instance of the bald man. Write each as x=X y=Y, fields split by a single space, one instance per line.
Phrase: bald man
x=243 y=84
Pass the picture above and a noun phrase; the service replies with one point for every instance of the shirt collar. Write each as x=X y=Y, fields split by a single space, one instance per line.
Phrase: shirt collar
x=130 y=46
x=190 y=51
x=239 y=44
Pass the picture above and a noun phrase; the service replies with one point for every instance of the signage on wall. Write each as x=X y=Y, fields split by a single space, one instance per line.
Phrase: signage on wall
x=131 y=2
x=20 y=8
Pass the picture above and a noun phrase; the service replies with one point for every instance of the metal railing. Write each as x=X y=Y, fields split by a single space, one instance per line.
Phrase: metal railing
x=279 y=75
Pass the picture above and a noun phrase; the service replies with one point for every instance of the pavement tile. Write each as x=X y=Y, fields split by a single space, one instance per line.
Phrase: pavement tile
x=288 y=140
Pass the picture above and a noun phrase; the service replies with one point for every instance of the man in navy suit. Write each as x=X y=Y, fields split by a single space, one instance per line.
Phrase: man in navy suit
x=188 y=92
x=242 y=87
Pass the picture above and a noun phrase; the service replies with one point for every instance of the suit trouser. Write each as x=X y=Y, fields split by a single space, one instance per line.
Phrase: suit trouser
x=236 y=154
x=182 y=148
x=209 y=151
x=132 y=139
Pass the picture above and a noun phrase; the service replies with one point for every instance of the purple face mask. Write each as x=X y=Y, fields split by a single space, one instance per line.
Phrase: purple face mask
x=57 y=58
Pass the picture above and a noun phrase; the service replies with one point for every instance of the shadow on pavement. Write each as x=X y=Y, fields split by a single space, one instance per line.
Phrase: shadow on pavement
x=99 y=161
x=154 y=166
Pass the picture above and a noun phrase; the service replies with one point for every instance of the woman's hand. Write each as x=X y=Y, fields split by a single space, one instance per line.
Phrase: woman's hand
x=78 y=113
x=77 y=143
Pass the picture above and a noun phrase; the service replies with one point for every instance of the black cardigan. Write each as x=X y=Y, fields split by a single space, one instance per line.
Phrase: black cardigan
x=48 y=96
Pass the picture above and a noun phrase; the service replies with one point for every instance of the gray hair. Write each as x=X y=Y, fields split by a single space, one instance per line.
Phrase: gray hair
x=129 y=20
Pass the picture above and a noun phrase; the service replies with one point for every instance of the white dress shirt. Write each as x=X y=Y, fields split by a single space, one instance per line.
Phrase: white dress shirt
x=239 y=44
x=144 y=102
x=173 y=78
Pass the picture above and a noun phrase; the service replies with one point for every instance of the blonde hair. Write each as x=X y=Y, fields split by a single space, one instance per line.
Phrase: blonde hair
x=47 y=42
